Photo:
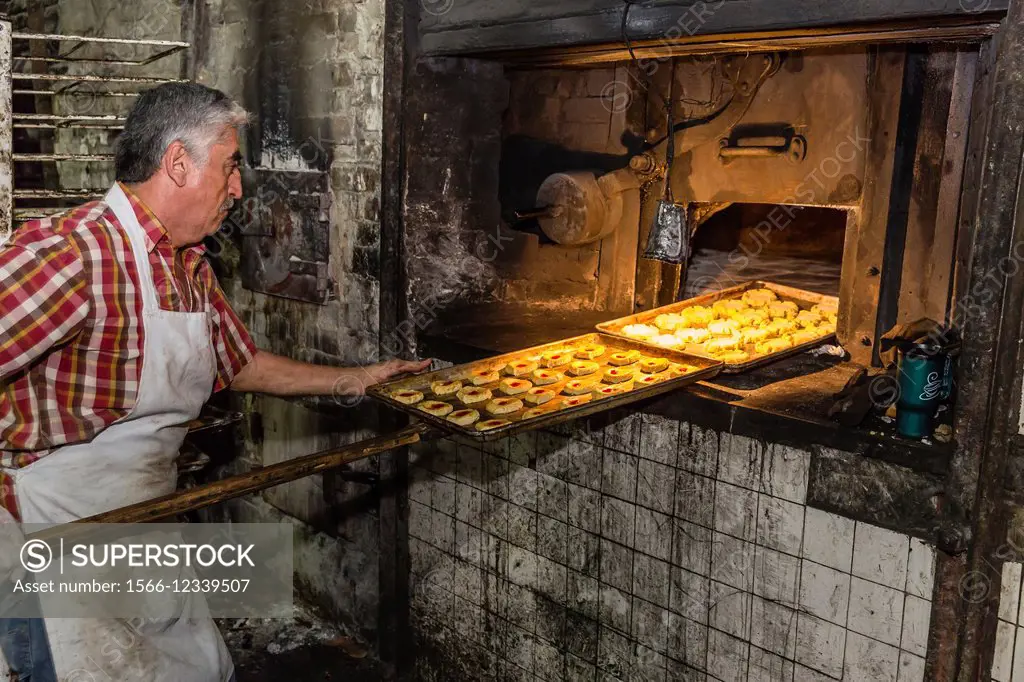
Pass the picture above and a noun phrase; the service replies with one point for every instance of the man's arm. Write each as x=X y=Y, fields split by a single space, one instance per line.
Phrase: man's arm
x=269 y=373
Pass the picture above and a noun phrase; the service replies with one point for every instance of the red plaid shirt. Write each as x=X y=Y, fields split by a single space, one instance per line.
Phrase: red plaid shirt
x=71 y=338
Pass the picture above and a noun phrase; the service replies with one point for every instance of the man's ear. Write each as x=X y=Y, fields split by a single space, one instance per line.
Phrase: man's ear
x=177 y=163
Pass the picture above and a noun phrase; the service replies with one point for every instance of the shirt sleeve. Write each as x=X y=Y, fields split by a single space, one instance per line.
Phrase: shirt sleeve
x=231 y=341
x=44 y=300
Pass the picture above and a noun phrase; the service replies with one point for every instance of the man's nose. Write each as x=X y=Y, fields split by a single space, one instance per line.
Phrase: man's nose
x=235 y=185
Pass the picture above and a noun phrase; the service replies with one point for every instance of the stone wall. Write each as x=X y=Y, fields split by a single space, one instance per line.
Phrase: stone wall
x=648 y=549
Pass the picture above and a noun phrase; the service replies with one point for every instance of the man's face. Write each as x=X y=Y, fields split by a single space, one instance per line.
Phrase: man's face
x=212 y=189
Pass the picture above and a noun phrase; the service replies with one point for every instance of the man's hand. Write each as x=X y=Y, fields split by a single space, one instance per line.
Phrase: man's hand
x=356 y=380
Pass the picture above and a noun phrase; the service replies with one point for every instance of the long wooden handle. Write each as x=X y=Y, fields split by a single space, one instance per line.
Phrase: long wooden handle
x=266 y=477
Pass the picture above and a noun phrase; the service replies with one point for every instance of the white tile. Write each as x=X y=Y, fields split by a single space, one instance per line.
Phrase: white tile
x=730 y=610
x=776 y=576
x=739 y=460
x=917 y=615
x=911 y=668
x=881 y=555
x=867 y=659
x=690 y=595
x=828 y=539
x=773 y=627
x=785 y=473
x=687 y=640
x=1002 y=661
x=736 y=511
x=1018 y=657
x=876 y=611
x=1009 y=592
x=780 y=524
x=732 y=562
x=767 y=667
x=820 y=645
x=805 y=674
x=824 y=592
x=727 y=657
x=921 y=569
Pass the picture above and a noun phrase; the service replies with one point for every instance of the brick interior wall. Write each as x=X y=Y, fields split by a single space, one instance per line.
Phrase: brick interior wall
x=648 y=549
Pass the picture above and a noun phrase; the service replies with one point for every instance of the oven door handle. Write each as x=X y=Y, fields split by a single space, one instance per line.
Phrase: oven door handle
x=793 y=148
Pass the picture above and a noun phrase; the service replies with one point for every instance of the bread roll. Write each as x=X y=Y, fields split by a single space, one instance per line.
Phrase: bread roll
x=436 y=408
x=472 y=396
x=590 y=352
x=539 y=396
x=464 y=417
x=543 y=377
x=446 y=387
x=407 y=397
x=583 y=368
x=504 y=405
x=489 y=424
x=623 y=358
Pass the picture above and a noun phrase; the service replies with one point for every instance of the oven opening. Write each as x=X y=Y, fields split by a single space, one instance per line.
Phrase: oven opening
x=798 y=246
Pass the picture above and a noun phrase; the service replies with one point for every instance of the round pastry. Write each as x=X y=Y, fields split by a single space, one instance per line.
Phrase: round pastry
x=680 y=370
x=577 y=400
x=805 y=336
x=773 y=345
x=536 y=412
x=608 y=391
x=726 y=309
x=832 y=317
x=539 y=396
x=759 y=298
x=518 y=368
x=590 y=352
x=436 y=408
x=556 y=358
x=489 y=424
x=639 y=331
x=653 y=365
x=581 y=368
x=751 y=318
x=786 y=309
x=446 y=387
x=653 y=378
x=723 y=344
x=780 y=326
x=543 y=377
x=754 y=334
x=825 y=308
x=692 y=335
x=734 y=357
x=515 y=386
x=723 y=328
x=668 y=322
x=578 y=386
x=616 y=375
x=484 y=376
x=826 y=328
x=623 y=358
x=464 y=417
x=472 y=396
x=666 y=340
x=697 y=316
x=504 y=405
x=407 y=397
x=807 y=318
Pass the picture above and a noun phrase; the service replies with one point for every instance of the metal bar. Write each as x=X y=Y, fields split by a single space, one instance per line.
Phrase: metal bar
x=75 y=94
x=100 y=60
x=23 y=214
x=56 y=117
x=160 y=55
x=142 y=80
x=6 y=136
x=91 y=39
x=51 y=125
x=63 y=157
x=58 y=193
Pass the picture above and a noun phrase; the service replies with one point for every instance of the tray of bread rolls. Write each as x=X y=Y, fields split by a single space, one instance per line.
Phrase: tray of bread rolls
x=745 y=326
x=544 y=385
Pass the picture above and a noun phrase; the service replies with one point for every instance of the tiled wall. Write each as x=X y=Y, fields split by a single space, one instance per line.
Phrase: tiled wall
x=1008 y=663
x=653 y=550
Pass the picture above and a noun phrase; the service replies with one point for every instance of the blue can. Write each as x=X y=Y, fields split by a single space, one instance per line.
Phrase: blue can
x=924 y=381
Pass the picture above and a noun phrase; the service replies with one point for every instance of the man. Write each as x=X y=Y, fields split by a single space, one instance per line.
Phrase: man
x=114 y=333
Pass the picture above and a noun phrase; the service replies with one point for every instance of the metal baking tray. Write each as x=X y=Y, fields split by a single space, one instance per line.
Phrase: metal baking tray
x=705 y=369
x=804 y=299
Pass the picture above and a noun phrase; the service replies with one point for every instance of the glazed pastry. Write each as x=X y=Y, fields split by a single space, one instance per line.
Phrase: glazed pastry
x=617 y=375
x=653 y=378
x=754 y=334
x=576 y=400
x=780 y=326
x=666 y=341
x=446 y=387
x=692 y=335
x=407 y=397
x=537 y=412
x=543 y=377
x=697 y=316
x=807 y=318
x=751 y=318
x=723 y=344
x=590 y=352
x=472 y=396
x=759 y=298
x=615 y=389
x=623 y=358
x=773 y=345
x=515 y=386
x=582 y=368
x=668 y=322
x=653 y=365
x=805 y=336
x=556 y=358
x=826 y=328
x=639 y=331
x=726 y=309
x=489 y=424
x=825 y=309
x=734 y=357
x=484 y=376
x=786 y=309
x=680 y=370
x=539 y=396
x=504 y=405
x=518 y=368
x=464 y=417
x=436 y=408
x=723 y=328
x=578 y=386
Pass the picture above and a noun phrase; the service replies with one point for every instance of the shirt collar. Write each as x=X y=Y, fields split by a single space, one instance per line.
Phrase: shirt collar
x=152 y=228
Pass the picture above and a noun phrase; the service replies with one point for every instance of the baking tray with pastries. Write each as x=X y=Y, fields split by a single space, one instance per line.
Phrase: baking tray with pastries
x=544 y=385
x=745 y=326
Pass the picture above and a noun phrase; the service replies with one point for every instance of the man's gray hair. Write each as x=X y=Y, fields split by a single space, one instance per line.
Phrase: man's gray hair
x=190 y=113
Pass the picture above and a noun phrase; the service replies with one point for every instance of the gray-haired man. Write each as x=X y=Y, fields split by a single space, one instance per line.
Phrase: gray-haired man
x=115 y=333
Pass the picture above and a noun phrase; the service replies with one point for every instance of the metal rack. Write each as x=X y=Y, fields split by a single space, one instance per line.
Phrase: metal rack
x=61 y=83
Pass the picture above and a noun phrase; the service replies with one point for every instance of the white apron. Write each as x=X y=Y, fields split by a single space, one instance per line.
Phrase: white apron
x=130 y=461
